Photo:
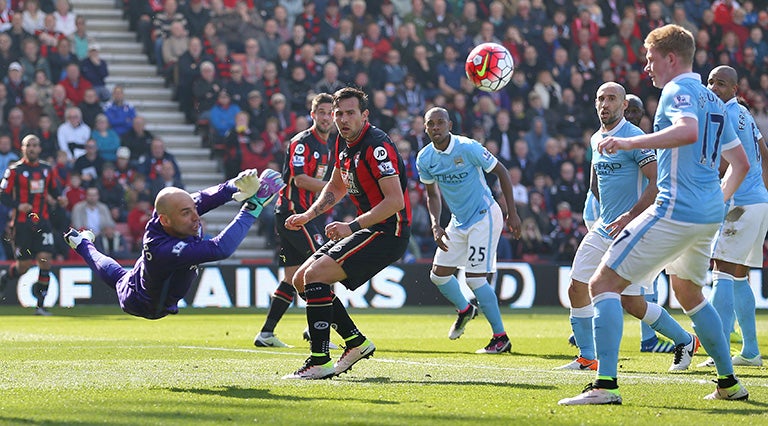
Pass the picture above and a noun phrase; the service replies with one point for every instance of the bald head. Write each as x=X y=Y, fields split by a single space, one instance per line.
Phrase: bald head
x=169 y=198
x=723 y=82
x=634 y=112
x=441 y=113
x=613 y=87
x=725 y=73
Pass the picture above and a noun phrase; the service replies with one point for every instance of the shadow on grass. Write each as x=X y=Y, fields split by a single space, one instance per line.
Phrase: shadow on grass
x=730 y=408
x=266 y=394
x=463 y=383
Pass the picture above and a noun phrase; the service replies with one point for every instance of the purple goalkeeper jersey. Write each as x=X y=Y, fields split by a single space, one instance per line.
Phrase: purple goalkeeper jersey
x=168 y=265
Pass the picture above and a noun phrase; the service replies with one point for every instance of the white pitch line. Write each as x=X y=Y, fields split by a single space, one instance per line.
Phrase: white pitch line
x=652 y=378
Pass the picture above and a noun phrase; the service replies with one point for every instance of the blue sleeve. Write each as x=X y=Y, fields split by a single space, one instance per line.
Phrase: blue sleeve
x=213 y=197
x=421 y=167
x=482 y=157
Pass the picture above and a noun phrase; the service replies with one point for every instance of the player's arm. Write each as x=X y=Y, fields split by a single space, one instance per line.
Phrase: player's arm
x=763 y=159
x=309 y=183
x=214 y=196
x=684 y=131
x=649 y=170
x=593 y=186
x=7 y=186
x=512 y=219
x=332 y=193
x=738 y=168
x=393 y=202
x=435 y=208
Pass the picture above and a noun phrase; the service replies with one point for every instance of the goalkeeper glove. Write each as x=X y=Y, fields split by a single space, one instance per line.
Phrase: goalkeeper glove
x=271 y=183
x=247 y=183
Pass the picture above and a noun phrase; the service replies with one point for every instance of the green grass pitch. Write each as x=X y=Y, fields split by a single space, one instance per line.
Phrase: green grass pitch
x=96 y=365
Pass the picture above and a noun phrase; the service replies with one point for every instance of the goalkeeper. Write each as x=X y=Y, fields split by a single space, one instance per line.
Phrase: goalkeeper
x=172 y=245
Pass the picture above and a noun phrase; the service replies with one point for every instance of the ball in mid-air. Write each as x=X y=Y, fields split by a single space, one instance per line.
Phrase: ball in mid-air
x=489 y=66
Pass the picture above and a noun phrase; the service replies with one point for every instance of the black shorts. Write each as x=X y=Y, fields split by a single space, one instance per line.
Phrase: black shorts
x=298 y=246
x=32 y=238
x=364 y=254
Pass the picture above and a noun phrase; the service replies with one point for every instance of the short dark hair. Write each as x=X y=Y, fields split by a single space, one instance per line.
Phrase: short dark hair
x=351 y=92
x=321 y=98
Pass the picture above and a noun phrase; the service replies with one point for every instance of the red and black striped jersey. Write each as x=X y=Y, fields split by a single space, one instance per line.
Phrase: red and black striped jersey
x=362 y=163
x=307 y=155
x=26 y=182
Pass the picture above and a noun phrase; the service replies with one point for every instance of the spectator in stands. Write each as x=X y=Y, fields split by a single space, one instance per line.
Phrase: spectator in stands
x=73 y=133
x=65 y=19
x=330 y=82
x=161 y=28
x=31 y=61
x=568 y=188
x=112 y=193
x=235 y=143
x=197 y=15
x=187 y=72
x=272 y=135
x=344 y=63
x=138 y=140
x=7 y=54
x=48 y=37
x=572 y=117
x=15 y=83
x=5 y=16
x=61 y=169
x=74 y=191
x=166 y=178
x=222 y=114
x=205 y=90
x=285 y=61
x=33 y=18
x=90 y=107
x=124 y=173
x=90 y=164
x=152 y=165
x=269 y=40
x=43 y=87
x=566 y=236
x=49 y=143
x=80 y=39
x=372 y=67
x=91 y=214
x=7 y=155
x=17 y=34
x=58 y=60
x=95 y=71
x=174 y=45
x=112 y=243
x=533 y=243
x=257 y=111
x=119 y=112
x=298 y=87
x=30 y=107
x=237 y=87
x=106 y=139
x=222 y=60
x=75 y=84
x=251 y=62
x=15 y=127
x=138 y=218
x=286 y=119
x=58 y=105
x=256 y=154
x=549 y=162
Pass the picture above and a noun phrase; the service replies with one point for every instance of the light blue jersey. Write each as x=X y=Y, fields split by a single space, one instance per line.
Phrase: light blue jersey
x=458 y=172
x=752 y=189
x=688 y=178
x=591 y=208
x=619 y=178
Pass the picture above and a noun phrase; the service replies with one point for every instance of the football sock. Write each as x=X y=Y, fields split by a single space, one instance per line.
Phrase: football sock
x=319 y=318
x=345 y=326
x=608 y=325
x=646 y=332
x=607 y=383
x=105 y=267
x=721 y=298
x=489 y=304
x=726 y=381
x=745 y=313
x=581 y=324
x=659 y=319
x=449 y=287
x=281 y=300
x=709 y=329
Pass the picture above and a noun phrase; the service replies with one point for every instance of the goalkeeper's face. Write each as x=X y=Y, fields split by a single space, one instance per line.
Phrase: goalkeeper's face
x=179 y=216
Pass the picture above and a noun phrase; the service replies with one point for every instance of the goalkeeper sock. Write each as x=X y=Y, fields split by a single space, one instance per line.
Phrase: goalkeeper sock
x=281 y=301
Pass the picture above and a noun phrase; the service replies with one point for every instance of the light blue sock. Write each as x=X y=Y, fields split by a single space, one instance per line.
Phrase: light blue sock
x=721 y=298
x=608 y=325
x=489 y=304
x=451 y=290
x=581 y=324
x=646 y=332
x=665 y=324
x=709 y=329
x=745 y=313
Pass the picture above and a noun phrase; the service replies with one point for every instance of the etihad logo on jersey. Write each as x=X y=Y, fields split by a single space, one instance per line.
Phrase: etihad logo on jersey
x=452 y=177
x=606 y=168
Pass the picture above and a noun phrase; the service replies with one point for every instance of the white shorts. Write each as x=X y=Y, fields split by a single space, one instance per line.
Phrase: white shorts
x=587 y=260
x=741 y=236
x=475 y=247
x=650 y=244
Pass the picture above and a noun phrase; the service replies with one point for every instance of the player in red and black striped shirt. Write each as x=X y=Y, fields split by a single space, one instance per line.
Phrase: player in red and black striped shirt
x=369 y=169
x=305 y=173
x=28 y=186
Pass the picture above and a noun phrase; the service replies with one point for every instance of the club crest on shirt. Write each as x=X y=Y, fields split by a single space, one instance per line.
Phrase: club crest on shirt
x=457 y=160
x=319 y=239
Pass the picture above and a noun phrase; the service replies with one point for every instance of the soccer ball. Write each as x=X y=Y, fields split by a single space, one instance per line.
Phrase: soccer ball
x=489 y=66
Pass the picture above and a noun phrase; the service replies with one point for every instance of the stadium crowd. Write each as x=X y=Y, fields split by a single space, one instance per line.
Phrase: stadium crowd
x=245 y=71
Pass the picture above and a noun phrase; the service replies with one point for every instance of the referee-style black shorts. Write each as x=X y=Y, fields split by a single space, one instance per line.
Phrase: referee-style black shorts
x=364 y=254
x=32 y=238
x=298 y=246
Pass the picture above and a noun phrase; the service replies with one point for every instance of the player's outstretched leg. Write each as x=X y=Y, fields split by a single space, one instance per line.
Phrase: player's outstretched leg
x=649 y=341
x=449 y=287
x=357 y=345
x=745 y=313
x=489 y=304
x=104 y=266
x=281 y=299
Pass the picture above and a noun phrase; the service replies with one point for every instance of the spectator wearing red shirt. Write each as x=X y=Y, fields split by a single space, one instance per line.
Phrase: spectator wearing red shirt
x=375 y=41
x=74 y=84
x=139 y=216
x=74 y=191
x=49 y=38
